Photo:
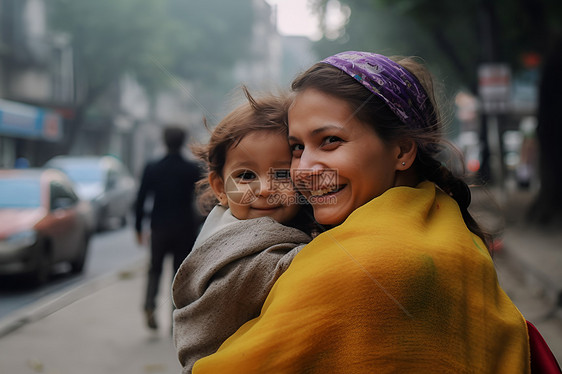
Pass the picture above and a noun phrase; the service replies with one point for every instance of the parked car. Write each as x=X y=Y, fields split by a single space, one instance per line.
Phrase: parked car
x=105 y=182
x=42 y=223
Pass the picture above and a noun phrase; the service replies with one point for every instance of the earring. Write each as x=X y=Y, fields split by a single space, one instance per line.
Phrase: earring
x=403 y=163
x=222 y=198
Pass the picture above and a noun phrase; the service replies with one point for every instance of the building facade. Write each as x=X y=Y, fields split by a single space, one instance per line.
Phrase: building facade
x=36 y=83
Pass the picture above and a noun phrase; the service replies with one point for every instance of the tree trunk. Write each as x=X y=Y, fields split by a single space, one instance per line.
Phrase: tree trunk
x=80 y=117
x=548 y=204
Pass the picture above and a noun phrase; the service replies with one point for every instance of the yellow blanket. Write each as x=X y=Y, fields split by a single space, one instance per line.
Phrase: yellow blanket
x=401 y=286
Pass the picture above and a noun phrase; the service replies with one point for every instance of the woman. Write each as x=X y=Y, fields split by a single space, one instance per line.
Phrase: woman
x=403 y=282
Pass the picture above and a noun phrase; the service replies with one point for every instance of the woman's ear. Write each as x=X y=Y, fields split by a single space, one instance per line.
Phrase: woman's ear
x=217 y=185
x=407 y=154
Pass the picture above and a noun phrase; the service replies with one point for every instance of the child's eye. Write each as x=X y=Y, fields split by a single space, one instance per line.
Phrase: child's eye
x=246 y=175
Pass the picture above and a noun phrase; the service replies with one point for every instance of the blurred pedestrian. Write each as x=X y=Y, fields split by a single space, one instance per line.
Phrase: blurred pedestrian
x=174 y=222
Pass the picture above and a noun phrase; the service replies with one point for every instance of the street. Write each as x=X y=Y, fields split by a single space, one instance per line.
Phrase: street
x=109 y=251
x=540 y=312
x=92 y=323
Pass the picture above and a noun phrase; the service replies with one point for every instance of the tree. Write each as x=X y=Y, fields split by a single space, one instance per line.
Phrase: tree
x=459 y=36
x=208 y=37
x=151 y=40
x=548 y=203
x=109 y=38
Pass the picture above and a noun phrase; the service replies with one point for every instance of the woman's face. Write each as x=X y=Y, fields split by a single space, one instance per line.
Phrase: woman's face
x=339 y=163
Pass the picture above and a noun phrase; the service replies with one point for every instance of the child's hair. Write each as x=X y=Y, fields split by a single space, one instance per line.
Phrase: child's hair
x=372 y=109
x=266 y=113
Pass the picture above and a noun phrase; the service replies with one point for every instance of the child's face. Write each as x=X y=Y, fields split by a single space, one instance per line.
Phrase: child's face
x=256 y=181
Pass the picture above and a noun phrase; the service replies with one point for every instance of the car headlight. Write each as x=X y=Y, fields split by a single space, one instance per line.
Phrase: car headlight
x=22 y=239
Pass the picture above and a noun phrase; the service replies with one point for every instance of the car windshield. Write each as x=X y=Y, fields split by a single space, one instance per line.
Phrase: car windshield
x=84 y=173
x=20 y=193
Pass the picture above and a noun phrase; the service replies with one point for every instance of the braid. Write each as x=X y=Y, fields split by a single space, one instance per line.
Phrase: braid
x=455 y=187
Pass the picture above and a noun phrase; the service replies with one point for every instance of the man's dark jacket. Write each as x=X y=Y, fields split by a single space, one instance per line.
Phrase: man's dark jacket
x=170 y=181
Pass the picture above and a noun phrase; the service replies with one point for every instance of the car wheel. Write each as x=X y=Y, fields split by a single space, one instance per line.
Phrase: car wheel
x=77 y=265
x=43 y=267
x=103 y=224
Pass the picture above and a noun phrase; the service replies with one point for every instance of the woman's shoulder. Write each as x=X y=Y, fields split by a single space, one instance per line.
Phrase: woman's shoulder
x=404 y=223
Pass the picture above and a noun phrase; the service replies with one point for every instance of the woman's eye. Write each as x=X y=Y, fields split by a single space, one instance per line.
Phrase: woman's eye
x=331 y=139
x=296 y=149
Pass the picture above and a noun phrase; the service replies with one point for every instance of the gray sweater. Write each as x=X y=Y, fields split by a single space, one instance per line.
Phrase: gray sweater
x=224 y=281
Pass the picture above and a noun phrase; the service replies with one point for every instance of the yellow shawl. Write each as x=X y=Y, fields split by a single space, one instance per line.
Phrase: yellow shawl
x=401 y=286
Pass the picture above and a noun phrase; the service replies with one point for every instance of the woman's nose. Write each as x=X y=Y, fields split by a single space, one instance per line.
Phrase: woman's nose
x=309 y=161
x=306 y=171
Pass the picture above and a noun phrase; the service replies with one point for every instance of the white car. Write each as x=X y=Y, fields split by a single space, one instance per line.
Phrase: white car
x=105 y=182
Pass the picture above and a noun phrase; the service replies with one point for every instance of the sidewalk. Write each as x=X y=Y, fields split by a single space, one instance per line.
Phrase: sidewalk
x=534 y=252
x=530 y=253
x=103 y=332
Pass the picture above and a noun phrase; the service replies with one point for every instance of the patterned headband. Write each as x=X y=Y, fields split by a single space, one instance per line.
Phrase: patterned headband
x=399 y=89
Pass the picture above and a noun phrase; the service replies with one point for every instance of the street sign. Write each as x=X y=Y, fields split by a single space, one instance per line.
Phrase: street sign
x=494 y=86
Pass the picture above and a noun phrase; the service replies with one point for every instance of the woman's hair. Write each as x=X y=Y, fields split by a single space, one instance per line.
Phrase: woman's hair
x=370 y=108
x=266 y=113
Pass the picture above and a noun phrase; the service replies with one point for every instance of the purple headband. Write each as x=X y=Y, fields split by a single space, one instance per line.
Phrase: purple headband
x=399 y=89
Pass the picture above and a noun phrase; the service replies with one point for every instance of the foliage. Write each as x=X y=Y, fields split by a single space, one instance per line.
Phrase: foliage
x=208 y=37
x=454 y=35
x=111 y=37
x=155 y=41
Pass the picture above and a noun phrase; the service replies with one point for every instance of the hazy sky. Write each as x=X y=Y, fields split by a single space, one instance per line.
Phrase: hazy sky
x=295 y=18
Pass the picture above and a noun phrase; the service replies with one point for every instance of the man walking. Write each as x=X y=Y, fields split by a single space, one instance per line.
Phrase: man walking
x=174 y=222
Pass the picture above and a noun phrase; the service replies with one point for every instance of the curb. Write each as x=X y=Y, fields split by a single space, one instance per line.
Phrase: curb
x=538 y=281
x=50 y=304
x=536 y=259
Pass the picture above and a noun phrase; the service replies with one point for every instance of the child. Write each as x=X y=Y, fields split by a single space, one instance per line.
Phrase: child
x=249 y=238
